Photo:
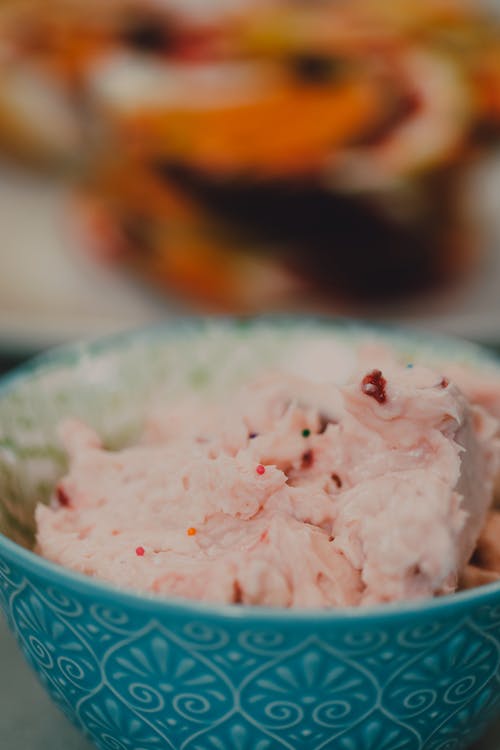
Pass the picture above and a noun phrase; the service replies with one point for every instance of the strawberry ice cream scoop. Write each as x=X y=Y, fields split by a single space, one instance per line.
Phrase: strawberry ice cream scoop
x=289 y=492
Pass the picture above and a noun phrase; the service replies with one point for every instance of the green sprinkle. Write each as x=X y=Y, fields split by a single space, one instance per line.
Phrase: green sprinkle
x=306 y=433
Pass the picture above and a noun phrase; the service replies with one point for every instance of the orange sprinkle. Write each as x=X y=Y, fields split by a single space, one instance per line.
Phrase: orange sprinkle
x=260 y=469
x=191 y=531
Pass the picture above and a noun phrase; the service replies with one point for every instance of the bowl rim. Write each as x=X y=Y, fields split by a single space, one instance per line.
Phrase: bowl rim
x=72 y=354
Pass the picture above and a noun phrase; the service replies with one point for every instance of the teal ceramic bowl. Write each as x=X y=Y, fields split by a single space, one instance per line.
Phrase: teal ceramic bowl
x=143 y=673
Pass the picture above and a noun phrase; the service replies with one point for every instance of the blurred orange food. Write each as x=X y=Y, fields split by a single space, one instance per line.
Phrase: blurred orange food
x=276 y=128
x=260 y=153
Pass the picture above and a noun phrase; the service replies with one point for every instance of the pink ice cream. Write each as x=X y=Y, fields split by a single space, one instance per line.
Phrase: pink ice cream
x=293 y=491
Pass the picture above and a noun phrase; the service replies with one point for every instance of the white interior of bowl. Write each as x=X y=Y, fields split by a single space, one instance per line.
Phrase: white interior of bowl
x=112 y=384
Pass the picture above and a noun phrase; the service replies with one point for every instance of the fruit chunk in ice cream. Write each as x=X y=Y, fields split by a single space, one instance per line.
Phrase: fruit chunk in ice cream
x=289 y=492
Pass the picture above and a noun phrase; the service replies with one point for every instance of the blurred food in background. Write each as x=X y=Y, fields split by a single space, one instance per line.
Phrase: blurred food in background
x=265 y=154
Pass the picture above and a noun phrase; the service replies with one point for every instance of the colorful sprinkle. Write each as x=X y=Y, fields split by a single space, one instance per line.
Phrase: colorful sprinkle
x=191 y=531
x=253 y=435
x=306 y=433
x=444 y=383
x=409 y=366
x=260 y=469
x=140 y=551
x=373 y=384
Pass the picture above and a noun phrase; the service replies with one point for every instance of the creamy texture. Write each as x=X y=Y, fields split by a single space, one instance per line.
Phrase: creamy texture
x=292 y=491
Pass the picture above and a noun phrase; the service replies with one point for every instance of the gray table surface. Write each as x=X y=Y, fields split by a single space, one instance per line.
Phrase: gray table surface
x=28 y=721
